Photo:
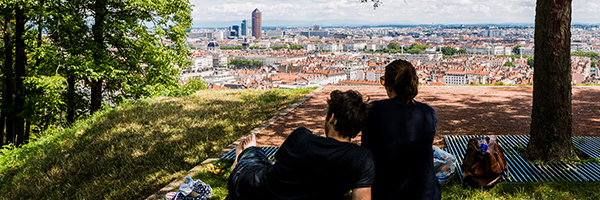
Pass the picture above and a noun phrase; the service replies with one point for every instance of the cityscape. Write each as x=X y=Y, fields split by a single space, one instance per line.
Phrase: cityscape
x=296 y=57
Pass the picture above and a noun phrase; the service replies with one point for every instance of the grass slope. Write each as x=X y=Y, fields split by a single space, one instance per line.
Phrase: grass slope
x=133 y=150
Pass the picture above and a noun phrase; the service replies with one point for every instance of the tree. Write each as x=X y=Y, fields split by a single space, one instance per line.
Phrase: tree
x=115 y=47
x=449 y=51
x=516 y=49
x=592 y=55
x=296 y=47
x=530 y=61
x=510 y=64
x=244 y=63
x=8 y=115
x=393 y=46
x=25 y=71
x=416 y=48
x=111 y=46
x=551 y=116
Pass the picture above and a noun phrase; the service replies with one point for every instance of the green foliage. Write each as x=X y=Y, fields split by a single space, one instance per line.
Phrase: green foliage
x=508 y=63
x=516 y=49
x=530 y=61
x=130 y=44
x=279 y=47
x=245 y=63
x=296 y=47
x=238 y=47
x=376 y=3
x=416 y=48
x=449 y=51
x=44 y=102
x=195 y=84
x=592 y=55
x=393 y=46
x=136 y=148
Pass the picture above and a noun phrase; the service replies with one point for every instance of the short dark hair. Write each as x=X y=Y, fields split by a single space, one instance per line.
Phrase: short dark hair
x=401 y=76
x=350 y=111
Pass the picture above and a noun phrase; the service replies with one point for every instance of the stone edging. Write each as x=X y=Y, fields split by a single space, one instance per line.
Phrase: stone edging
x=174 y=185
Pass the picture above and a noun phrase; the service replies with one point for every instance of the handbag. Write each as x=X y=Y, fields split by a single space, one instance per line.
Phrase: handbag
x=483 y=167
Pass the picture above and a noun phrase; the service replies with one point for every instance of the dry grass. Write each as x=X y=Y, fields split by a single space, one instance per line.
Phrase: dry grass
x=133 y=150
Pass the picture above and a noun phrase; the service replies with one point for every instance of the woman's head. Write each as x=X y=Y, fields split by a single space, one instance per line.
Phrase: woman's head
x=401 y=78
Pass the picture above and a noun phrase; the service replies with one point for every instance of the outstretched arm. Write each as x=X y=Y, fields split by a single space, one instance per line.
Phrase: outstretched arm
x=361 y=193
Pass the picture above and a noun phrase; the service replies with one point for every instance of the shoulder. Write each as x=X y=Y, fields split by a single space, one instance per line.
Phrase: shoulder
x=362 y=152
x=300 y=133
x=425 y=106
x=379 y=104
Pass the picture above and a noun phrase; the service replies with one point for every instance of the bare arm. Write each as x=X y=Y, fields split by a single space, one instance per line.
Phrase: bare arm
x=361 y=193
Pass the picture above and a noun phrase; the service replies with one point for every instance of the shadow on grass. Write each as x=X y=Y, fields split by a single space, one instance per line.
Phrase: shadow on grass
x=135 y=149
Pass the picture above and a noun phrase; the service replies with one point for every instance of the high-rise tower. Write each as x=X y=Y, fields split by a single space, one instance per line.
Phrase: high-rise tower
x=244 y=30
x=256 y=23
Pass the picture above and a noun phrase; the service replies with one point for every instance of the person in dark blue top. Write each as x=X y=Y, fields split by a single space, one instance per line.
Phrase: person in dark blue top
x=309 y=166
x=400 y=134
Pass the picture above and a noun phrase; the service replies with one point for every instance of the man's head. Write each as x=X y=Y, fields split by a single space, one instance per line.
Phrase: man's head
x=346 y=113
x=401 y=77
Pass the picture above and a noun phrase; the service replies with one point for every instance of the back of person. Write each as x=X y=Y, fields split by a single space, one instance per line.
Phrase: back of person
x=400 y=137
x=309 y=166
x=313 y=167
x=400 y=134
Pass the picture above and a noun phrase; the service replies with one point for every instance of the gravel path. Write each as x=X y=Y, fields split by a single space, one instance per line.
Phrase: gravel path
x=461 y=110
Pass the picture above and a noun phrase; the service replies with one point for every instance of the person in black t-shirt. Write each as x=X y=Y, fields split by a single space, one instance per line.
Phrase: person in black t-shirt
x=400 y=134
x=310 y=166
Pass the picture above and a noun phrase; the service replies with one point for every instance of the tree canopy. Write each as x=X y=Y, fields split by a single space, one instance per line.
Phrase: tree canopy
x=416 y=48
x=449 y=51
x=516 y=49
x=592 y=55
x=75 y=56
x=244 y=63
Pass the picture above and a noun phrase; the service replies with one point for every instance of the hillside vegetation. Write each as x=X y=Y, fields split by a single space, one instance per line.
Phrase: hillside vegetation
x=133 y=150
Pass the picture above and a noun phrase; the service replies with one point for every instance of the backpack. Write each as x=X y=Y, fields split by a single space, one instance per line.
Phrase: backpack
x=483 y=167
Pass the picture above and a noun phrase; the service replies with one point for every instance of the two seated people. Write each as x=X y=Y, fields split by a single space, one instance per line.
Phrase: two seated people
x=395 y=160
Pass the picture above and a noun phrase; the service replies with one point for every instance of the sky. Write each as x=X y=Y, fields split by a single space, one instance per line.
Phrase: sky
x=224 y=13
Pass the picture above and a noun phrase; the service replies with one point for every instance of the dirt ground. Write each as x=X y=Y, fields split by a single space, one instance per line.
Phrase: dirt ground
x=461 y=110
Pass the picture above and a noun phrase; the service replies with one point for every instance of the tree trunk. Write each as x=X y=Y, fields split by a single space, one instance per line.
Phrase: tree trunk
x=8 y=89
x=551 y=115
x=27 y=131
x=96 y=96
x=71 y=99
x=3 y=111
x=100 y=11
x=20 y=64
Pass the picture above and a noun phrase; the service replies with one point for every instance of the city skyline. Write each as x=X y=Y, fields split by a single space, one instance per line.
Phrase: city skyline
x=223 y=13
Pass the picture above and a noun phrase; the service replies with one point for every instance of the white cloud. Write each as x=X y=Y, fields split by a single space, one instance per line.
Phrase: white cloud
x=391 y=11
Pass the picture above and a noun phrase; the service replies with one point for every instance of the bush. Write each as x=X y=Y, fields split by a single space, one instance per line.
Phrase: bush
x=195 y=84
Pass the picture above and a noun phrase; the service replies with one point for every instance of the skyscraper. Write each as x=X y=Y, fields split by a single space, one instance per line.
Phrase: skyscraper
x=244 y=30
x=236 y=28
x=256 y=23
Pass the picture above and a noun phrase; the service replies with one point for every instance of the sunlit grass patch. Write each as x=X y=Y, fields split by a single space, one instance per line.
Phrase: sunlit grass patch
x=135 y=149
x=527 y=190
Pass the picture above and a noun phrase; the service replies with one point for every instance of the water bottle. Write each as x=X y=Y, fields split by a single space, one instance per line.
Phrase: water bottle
x=483 y=146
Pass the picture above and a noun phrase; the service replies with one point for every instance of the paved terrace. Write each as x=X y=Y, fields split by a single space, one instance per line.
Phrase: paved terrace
x=461 y=110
